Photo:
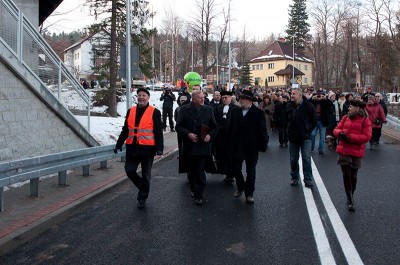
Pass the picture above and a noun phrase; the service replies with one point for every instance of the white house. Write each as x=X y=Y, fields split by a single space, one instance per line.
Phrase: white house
x=83 y=56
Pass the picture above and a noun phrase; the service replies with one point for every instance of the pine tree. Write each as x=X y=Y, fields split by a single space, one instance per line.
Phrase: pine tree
x=113 y=20
x=245 y=76
x=298 y=26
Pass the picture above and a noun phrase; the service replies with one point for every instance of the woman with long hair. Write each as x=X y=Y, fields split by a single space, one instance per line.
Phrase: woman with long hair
x=353 y=131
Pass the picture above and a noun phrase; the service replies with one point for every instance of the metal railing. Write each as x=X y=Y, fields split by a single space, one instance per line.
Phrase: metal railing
x=23 y=40
x=394 y=122
x=33 y=168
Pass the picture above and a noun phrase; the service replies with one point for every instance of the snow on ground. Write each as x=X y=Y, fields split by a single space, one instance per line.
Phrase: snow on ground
x=107 y=129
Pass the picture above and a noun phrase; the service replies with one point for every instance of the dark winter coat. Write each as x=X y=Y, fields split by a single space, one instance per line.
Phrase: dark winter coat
x=133 y=150
x=301 y=120
x=358 y=129
x=247 y=134
x=325 y=105
x=221 y=143
x=280 y=117
x=190 y=120
x=168 y=97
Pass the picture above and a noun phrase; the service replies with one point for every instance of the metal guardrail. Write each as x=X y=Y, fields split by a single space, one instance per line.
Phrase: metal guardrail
x=32 y=169
x=394 y=122
x=23 y=40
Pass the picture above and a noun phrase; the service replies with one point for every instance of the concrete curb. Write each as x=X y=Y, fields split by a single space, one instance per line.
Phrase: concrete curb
x=27 y=232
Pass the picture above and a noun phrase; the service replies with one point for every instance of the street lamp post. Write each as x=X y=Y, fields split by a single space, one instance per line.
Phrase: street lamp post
x=160 y=58
x=229 y=46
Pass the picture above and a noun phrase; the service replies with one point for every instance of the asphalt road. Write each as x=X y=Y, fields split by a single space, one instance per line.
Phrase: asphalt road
x=286 y=225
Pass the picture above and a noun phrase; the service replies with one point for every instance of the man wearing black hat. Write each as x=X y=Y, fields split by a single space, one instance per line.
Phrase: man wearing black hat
x=143 y=136
x=247 y=135
x=223 y=117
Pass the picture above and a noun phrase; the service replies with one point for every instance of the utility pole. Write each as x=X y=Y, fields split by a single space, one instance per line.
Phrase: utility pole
x=128 y=55
x=229 y=46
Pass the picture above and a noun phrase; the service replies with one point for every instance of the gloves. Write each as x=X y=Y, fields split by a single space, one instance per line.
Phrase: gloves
x=344 y=137
x=116 y=150
x=159 y=153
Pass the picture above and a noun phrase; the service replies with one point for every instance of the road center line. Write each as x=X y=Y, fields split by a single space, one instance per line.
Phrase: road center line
x=347 y=245
x=324 y=249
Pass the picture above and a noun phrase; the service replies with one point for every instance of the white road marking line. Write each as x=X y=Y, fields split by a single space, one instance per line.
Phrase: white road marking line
x=347 y=245
x=324 y=249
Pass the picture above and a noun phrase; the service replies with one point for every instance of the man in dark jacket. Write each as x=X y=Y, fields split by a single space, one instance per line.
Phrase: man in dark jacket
x=301 y=122
x=322 y=107
x=281 y=120
x=247 y=134
x=197 y=126
x=168 y=97
x=143 y=134
x=223 y=115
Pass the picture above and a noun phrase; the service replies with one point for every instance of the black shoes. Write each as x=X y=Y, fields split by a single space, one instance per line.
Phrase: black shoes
x=238 y=193
x=199 y=202
x=228 y=181
x=172 y=130
x=250 y=199
x=350 y=201
x=294 y=182
x=141 y=204
x=308 y=184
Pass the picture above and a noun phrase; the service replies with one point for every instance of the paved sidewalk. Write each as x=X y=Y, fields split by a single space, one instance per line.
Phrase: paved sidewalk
x=25 y=217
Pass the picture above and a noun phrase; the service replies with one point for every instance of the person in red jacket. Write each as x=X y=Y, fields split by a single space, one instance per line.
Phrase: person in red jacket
x=353 y=131
x=377 y=117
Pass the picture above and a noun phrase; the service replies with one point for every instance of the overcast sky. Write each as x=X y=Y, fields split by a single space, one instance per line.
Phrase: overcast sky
x=259 y=17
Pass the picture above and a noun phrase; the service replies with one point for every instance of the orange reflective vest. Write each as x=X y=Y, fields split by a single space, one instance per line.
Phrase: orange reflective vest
x=144 y=133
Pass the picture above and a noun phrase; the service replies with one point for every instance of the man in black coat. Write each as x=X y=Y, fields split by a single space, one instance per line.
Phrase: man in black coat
x=247 y=134
x=143 y=136
x=281 y=120
x=168 y=97
x=223 y=115
x=197 y=126
x=301 y=122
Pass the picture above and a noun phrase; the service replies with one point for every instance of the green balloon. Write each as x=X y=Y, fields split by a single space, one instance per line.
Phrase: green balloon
x=192 y=78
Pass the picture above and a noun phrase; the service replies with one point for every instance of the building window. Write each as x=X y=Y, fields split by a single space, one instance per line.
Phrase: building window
x=261 y=66
x=271 y=79
x=257 y=80
x=305 y=80
x=253 y=67
x=305 y=67
x=271 y=65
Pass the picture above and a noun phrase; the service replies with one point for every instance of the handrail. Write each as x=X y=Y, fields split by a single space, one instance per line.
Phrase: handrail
x=20 y=37
x=33 y=168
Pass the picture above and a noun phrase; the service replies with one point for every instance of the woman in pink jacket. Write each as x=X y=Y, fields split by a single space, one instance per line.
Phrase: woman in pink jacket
x=377 y=117
x=353 y=131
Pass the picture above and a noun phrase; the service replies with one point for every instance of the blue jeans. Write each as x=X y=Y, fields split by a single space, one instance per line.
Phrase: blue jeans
x=322 y=133
x=294 y=152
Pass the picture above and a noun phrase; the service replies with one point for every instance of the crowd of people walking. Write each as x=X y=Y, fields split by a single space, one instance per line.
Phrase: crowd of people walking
x=221 y=135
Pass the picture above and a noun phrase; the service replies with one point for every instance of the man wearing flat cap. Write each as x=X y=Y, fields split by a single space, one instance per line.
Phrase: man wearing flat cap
x=247 y=135
x=223 y=116
x=142 y=134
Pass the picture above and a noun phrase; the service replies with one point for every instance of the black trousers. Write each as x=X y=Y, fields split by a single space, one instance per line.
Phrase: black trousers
x=283 y=131
x=141 y=182
x=197 y=175
x=376 y=135
x=247 y=186
x=167 y=112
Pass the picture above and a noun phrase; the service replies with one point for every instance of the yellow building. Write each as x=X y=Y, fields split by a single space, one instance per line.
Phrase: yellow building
x=274 y=66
